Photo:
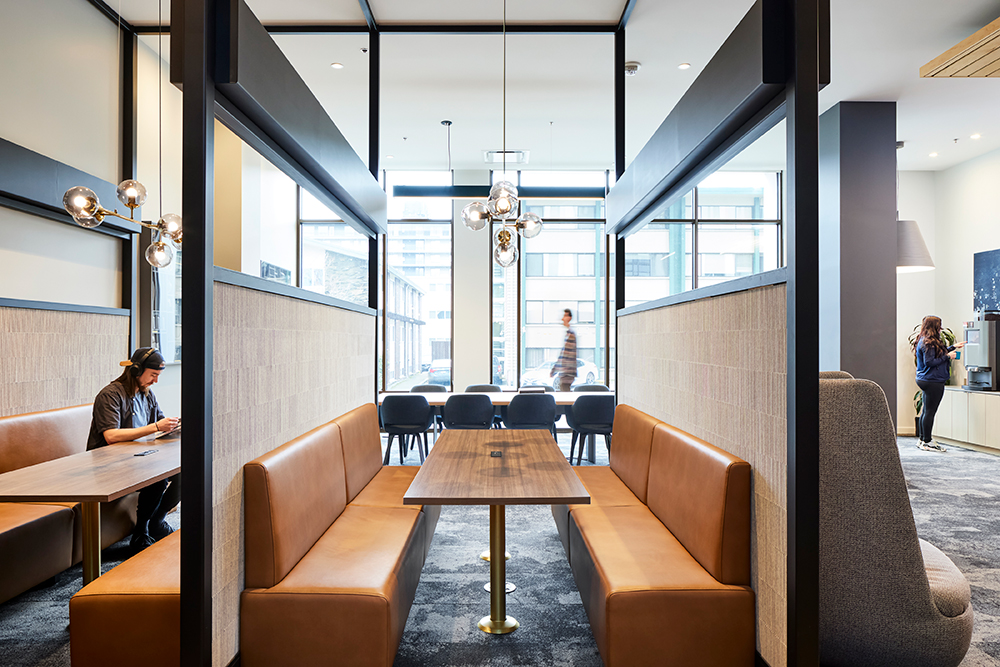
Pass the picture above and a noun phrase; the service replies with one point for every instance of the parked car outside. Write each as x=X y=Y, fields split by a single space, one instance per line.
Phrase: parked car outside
x=440 y=372
x=424 y=368
x=586 y=373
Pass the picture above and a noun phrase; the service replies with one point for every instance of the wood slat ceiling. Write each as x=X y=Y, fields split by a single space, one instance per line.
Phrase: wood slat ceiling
x=976 y=56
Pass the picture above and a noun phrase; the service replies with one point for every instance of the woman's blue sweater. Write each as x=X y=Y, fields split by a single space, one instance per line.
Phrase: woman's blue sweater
x=930 y=367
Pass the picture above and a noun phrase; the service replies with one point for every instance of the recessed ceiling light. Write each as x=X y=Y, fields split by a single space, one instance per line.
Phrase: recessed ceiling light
x=684 y=66
x=337 y=65
x=975 y=136
x=933 y=154
x=389 y=157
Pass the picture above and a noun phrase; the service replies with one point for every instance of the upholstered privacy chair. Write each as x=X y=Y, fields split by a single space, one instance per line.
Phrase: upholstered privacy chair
x=835 y=375
x=887 y=598
x=468 y=411
x=403 y=416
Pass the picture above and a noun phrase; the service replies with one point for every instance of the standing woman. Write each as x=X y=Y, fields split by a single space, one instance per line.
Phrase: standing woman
x=933 y=369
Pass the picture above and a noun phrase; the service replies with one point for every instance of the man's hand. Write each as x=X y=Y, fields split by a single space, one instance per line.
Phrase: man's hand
x=167 y=424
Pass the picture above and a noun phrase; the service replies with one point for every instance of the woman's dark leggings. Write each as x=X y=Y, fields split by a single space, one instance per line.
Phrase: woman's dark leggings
x=933 y=393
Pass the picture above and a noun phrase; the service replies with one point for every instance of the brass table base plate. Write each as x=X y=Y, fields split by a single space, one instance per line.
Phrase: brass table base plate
x=487 y=624
x=508 y=587
x=486 y=555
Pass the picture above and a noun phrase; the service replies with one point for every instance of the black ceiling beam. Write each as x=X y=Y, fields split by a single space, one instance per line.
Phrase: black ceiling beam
x=316 y=29
x=112 y=15
x=366 y=9
x=736 y=93
x=626 y=13
x=259 y=82
x=151 y=30
x=512 y=29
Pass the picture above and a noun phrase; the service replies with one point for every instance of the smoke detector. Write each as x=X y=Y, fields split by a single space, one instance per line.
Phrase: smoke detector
x=631 y=67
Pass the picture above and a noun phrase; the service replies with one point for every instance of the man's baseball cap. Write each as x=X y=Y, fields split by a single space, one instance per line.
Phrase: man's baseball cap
x=146 y=357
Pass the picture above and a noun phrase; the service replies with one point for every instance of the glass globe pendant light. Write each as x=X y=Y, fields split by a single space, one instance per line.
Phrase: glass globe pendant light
x=475 y=216
x=159 y=254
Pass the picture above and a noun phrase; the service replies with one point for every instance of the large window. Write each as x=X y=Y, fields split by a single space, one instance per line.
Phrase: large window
x=334 y=254
x=418 y=295
x=727 y=227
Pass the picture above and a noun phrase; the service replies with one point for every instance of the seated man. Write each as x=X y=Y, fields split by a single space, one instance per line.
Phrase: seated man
x=125 y=410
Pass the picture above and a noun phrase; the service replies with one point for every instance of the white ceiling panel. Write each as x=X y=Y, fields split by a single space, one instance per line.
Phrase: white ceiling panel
x=491 y=11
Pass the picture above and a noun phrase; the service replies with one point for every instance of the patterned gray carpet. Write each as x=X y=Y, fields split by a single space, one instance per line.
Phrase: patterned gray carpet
x=954 y=498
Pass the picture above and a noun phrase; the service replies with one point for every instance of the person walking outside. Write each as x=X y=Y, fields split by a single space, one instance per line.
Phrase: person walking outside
x=933 y=370
x=564 y=370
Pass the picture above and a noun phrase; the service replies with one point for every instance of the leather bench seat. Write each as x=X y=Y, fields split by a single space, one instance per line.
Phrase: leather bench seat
x=348 y=596
x=131 y=615
x=35 y=544
x=26 y=440
x=642 y=582
x=661 y=556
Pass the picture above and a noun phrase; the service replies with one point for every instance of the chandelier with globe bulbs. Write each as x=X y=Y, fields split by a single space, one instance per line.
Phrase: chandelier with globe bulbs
x=503 y=204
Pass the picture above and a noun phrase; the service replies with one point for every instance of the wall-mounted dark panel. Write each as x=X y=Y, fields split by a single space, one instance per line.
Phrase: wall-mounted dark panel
x=40 y=182
x=736 y=98
x=260 y=82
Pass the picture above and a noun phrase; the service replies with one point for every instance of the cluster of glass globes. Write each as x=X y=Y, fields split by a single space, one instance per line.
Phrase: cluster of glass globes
x=82 y=203
x=502 y=205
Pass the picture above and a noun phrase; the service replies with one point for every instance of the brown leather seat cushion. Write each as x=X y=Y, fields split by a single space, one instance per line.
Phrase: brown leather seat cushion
x=131 y=615
x=630 y=443
x=348 y=596
x=36 y=542
x=605 y=489
x=36 y=437
x=702 y=495
x=649 y=601
x=386 y=489
x=362 y=447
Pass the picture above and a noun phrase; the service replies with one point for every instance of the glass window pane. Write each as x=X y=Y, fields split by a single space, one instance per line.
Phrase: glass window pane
x=682 y=209
x=657 y=262
x=314 y=209
x=418 y=208
x=335 y=261
x=569 y=252
x=735 y=195
x=731 y=251
x=418 y=305
x=503 y=362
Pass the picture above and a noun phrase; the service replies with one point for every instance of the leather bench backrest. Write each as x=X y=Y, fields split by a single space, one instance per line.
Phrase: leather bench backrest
x=702 y=495
x=362 y=447
x=292 y=495
x=632 y=435
x=37 y=437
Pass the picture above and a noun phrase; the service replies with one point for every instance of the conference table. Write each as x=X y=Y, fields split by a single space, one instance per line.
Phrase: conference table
x=501 y=398
x=496 y=467
x=91 y=478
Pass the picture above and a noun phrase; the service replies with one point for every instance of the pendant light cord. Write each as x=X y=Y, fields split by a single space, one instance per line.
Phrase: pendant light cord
x=159 y=99
x=504 y=141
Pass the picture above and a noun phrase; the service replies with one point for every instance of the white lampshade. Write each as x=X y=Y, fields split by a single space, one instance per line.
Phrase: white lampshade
x=911 y=251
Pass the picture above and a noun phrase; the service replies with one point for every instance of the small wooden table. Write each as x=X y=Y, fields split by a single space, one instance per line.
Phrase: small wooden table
x=496 y=467
x=91 y=478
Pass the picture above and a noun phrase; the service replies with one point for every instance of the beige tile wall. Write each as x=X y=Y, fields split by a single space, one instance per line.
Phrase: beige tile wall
x=282 y=367
x=716 y=368
x=54 y=359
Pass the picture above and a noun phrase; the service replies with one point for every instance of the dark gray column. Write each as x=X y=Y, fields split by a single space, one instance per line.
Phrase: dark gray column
x=857 y=258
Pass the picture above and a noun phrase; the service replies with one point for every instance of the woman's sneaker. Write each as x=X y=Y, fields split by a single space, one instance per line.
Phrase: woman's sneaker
x=931 y=447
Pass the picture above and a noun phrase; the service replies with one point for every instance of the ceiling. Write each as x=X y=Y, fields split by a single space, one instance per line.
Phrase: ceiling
x=560 y=88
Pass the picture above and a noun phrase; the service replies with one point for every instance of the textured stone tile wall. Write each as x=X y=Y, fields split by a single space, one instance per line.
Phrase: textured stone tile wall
x=716 y=368
x=53 y=359
x=282 y=368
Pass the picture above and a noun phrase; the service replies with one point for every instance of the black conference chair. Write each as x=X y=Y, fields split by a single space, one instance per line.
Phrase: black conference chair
x=489 y=389
x=468 y=411
x=405 y=416
x=591 y=387
x=591 y=416
x=535 y=389
x=532 y=411
x=427 y=389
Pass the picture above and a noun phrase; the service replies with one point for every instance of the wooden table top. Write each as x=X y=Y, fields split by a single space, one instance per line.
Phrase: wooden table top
x=497 y=397
x=460 y=471
x=100 y=475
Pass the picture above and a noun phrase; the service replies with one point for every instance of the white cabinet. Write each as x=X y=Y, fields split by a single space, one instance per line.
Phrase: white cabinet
x=942 y=420
x=977 y=417
x=959 y=415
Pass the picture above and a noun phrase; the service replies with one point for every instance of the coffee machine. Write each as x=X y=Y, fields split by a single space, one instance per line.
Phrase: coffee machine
x=980 y=352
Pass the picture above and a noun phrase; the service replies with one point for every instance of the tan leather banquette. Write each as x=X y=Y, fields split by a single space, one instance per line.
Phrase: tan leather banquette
x=661 y=556
x=40 y=540
x=333 y=557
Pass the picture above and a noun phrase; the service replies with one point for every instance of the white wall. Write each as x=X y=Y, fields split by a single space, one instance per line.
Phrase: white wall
x=473 y=286
x=957 y=210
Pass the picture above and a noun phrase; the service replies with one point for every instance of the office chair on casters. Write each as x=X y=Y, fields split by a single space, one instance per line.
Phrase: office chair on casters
x=591 y=415
x=405 y=416
x=489 y=389
x=468 y=411
x=532 y=411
